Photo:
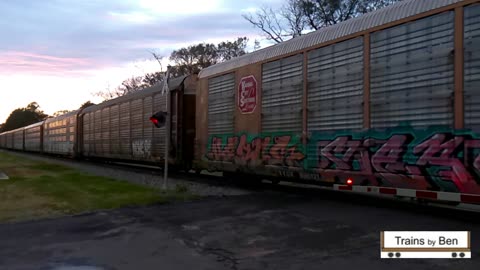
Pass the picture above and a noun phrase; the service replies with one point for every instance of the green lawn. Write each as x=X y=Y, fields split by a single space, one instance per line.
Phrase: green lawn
x=38 y=190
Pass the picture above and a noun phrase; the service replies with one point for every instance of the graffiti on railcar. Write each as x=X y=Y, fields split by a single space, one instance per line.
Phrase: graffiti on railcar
x=439 y=159
x=142 y=148
x=280 y=150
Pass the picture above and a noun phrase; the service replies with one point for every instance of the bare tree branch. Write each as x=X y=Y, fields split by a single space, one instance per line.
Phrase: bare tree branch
x=293 y=13
x=157 y=57
x=267 y=21
x=296 y=16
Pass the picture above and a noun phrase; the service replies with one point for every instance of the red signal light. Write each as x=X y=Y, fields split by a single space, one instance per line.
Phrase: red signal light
x=159 y=119
x=349 y=181
x=154 y=120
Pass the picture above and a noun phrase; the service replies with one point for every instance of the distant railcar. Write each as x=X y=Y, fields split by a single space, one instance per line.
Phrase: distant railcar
x=60 y=134
x=120 y=128
x=34 y=137
x=18 y=139
x=8 y=139
x=3 y=140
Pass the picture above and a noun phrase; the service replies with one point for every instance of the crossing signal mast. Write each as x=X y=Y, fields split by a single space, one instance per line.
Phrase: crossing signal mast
x=161 y=119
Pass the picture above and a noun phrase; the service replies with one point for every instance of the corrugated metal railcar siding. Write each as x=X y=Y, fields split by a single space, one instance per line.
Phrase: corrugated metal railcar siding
x=46 y=141
x=114 y=131
x=398 y=11
x=282 y=89
x=32 y=139
x=140 y=144
x=335 y=86
x=92 y=133
x=125 y=147
x=221 y=104
x=158 y=140
x=10 y=140
x=2 y=140
x=97 y=132
x=50 y=137
x=412 y=71
x=136 y=126
x=472 y=67
x=5 y=140
x=147 y=125
x=147 y=112
x=105 y=132
x=71 y=133
x=87 y=133
x=18 y=140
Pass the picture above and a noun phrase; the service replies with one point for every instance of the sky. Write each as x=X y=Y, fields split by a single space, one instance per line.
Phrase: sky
x=58 y=53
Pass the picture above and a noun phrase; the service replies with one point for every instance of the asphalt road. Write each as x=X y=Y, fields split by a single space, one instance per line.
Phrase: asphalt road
x=268 y=230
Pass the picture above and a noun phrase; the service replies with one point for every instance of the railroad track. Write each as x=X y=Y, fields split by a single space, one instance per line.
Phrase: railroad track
x=461 y=211
x=470 y=213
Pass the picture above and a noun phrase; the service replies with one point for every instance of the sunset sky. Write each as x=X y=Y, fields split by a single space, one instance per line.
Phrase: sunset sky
x=59 y=52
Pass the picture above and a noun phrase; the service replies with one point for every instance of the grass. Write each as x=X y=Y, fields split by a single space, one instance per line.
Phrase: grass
x=38 y=190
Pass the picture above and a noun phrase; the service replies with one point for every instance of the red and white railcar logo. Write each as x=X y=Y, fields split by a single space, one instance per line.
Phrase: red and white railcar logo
x=247 y=94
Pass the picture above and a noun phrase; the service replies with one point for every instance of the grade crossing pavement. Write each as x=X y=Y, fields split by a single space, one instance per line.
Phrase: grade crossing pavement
x=268 y=230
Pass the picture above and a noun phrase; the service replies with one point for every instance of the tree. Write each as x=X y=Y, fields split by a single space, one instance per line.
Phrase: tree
x=189 y=60
x=151 y=79
x=22 y=117
x=279 y=25
x=106 y=94
x=61 y=112
x=194 y=58
x=86 y=105
x=227 y=50
x=297 y=17
x=128 y=86
x=321 y=13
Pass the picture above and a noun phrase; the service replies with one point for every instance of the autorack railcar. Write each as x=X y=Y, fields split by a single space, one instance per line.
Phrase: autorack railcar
x=60 y=134
x=388 y=99
x=120 y=128
x=3 y=140
x=34 y=137
x=18 y=139
x=8 y=135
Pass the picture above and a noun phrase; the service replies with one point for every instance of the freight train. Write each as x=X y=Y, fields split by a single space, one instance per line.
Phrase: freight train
x=388 y=102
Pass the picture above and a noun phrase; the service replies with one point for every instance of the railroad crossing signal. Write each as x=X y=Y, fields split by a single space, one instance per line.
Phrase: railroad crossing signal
x=159 y=119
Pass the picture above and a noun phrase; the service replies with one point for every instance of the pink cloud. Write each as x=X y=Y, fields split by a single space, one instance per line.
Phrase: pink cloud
x=26 y=62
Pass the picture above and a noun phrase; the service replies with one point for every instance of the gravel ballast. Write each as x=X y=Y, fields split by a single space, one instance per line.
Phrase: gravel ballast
x=153 y=178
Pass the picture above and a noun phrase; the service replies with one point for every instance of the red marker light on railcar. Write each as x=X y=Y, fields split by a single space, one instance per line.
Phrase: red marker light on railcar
x=349 y=181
